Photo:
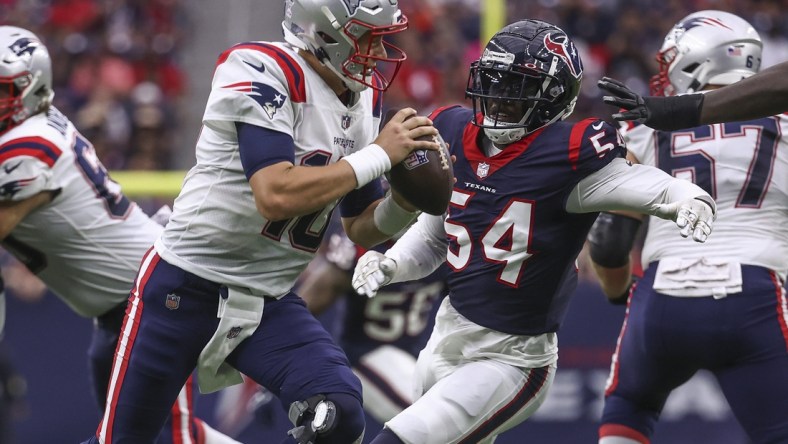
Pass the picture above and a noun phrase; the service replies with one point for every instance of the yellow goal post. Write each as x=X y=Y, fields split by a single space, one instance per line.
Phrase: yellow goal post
x=143 y=183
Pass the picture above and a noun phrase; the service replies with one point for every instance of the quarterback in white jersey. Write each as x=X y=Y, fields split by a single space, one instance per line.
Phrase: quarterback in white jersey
x=289 y=129
x=720 y=305
x=64 y=218
x=216 y=230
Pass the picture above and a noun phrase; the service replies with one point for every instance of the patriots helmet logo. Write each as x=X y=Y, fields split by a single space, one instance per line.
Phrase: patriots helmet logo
x=561 y=46
x=351 y=5
x=266 y=95
x=24 y=46
x=702 y=21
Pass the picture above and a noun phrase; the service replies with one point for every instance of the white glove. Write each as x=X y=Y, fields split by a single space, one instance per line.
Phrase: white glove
x=373 y=271
x=162 y=216
x=691 y=215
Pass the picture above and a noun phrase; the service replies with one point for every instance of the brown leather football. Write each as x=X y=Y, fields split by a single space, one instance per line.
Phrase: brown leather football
x=425 y=178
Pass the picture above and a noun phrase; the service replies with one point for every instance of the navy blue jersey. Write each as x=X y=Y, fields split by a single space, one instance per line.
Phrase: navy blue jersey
x=400 y=315
x=512 y=245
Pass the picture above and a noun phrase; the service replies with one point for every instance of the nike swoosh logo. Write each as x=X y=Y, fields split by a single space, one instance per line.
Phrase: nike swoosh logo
x=597 y=126
x=260 y=69
x=9 y=169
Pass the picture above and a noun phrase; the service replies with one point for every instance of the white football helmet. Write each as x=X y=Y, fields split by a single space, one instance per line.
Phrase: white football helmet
x=331 y=29
x=706 y=47
x=25 y=76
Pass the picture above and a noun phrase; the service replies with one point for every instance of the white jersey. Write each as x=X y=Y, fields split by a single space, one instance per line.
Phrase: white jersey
x=744 y=166
x=87 y=243
x=215 y=230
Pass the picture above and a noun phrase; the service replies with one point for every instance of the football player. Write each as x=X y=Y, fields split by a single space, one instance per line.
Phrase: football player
x=66 y=220
x=529 y=187
x=762 y=95
x=718 y=306
x=381 y=336
x=289 y=129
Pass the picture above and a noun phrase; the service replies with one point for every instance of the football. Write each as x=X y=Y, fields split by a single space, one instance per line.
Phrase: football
x=425 y=178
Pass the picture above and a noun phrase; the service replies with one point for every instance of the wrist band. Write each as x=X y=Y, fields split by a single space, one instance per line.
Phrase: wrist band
x=368 y=163
x=390 y=218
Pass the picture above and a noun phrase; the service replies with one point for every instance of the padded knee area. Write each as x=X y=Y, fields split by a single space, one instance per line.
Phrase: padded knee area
x=350 y=420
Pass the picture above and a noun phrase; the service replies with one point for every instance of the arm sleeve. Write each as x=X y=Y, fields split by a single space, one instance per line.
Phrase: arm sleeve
x=421 y=250
x=638 y=188
x=260 y=147
x=762 y=95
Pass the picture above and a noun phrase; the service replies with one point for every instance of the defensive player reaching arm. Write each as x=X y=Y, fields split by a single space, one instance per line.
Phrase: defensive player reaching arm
x=290 y=128
x=762 y=95
x=529 y=187
x=693 y=296
x=67 y=221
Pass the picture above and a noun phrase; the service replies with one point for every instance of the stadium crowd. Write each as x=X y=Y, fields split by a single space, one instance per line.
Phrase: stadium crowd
x=116 y=71
x=119 y=71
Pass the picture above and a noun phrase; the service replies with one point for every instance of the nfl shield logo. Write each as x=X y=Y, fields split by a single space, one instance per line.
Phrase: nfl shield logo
x=482 y=170
x=173 y=301
x=233 y=333
x=346 y=122
x=415 y=159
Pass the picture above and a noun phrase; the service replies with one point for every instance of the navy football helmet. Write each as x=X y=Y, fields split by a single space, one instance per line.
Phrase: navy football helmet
x=527 y=78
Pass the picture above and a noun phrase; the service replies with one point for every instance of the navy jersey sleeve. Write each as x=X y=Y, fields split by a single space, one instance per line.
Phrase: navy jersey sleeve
x=593 y=143
x=355 y=202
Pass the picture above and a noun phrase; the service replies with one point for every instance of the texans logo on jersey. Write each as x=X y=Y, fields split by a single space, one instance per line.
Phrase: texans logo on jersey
x=269 y=98
x=565 y=49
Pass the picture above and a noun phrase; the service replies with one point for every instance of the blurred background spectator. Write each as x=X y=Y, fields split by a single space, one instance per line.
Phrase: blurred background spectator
x=130 y=73
x=116 y=71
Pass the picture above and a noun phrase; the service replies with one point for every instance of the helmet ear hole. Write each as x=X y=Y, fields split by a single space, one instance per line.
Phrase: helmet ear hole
x=689 y=69
x=326 y=38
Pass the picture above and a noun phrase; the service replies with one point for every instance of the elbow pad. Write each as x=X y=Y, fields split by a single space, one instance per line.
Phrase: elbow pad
x=611 y=238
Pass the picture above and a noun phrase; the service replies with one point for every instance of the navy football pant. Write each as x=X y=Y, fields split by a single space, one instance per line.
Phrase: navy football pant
x=181 y=425
x=742 y=339
x=290 y=353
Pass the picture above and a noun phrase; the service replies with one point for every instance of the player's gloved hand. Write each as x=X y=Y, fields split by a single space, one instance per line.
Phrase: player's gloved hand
x=162 y=216
x=662 y=113
x=693 y=216
x=373 y=271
